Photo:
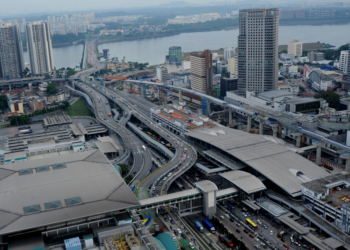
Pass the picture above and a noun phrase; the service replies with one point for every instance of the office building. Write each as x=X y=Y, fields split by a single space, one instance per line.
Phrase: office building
x=11 y=51
x=39 y=47
x=315 y=56
x=162 y=74
x=175 y=56
x=232 y=65
x=295 y=47
x=258 y=50
x=229 y=53
x=202 y=72
x=343 y=61
x=227 y=84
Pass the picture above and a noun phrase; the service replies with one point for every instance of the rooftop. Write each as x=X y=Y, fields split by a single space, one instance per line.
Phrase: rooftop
x=244 y=180
x=206 y=186
x=53 y=190
x=271 y=95
x=285 y=168
x=321 y=185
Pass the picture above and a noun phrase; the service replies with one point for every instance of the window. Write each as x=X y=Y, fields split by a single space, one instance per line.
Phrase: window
x=73 y=201
x=25 y=171
x=59 y=165
x=43 y=168
x=52 y=205
x=32 y=209
x=315 y=194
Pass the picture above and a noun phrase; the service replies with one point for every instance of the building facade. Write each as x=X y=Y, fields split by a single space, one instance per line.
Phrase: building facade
x=343 y=61
x=39 y=47
x=295 y=47
x=232 y=66
x=227 y=84
x=258 y=50
x=202 y=72
x=175 y=55
x=229 y=53
x=11 y=51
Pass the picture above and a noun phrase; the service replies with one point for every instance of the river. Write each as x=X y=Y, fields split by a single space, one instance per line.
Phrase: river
x=69 y=56
x=154 y=50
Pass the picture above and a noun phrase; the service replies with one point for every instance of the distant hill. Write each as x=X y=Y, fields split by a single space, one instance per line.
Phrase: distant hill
x=175 y=4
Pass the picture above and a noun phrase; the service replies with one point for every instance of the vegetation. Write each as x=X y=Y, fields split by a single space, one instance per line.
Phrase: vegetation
x=124 y=168
x=128 y=179
x=3 y=102
x=79 y=108
x=70 y=72
x=330 y=96
x=205 y=26
x=223 y=123
x=51 y=89
x=69 y=38
x=217 y=108
x=301 y=89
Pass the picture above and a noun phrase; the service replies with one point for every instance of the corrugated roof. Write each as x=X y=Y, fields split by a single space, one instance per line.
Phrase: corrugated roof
x=244 y=180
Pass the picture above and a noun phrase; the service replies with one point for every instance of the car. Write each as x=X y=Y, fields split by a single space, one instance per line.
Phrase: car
x=257 y=246
x=347 y=200
x=166 y=219
x=227 y=215
x=172 y=227
x=222 y=217
x=152 y=192
x=265 y=226
x=160 y=183
x=251 y=235
x=169 y=174
x=179 y=230
x=271 y=232
x=172 y=222
x=259 y=222
x=190 y=244
x=246 y=230
x=297 y=244
x=154 y=188
x=238 y=225
x=257 y=240
x=176 y=170
x=232 y=219
x=183 y=235
x=176 y=232
x=238 y=231
x=244 y=214
x=164 y=179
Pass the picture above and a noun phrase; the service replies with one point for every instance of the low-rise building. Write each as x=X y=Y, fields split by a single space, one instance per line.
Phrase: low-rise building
x=36 y=104
x=16 y=106
x=54 y=98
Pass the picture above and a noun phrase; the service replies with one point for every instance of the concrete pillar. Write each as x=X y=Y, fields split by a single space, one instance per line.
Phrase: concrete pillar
x=279 y=130
x=208 y=107
x=249 y=123
x=318 y=153
x=340 y=161
x=298 y=139
x=261 y=127
x=230 y=116
x=347 y=162
x=141 y=94
x=10 y=86
x=180 y=95
x=73 y=84
x=274 y=129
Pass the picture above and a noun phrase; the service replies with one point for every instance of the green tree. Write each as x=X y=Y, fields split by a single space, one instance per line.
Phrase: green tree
x=3 y=102
x=301 y=89
x=124 y=168
x=330 y=96
x=66 y=105
x=51 y=89
x=128 y=179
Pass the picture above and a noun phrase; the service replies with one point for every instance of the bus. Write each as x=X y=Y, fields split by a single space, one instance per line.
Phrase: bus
x=149 y=133
x=251 y=224
x=132 y=188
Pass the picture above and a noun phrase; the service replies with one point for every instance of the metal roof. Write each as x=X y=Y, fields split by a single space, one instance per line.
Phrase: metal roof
x=270 y=95
x=106 y=147
x=206 y=186
x=88 y=177
x=332 y=243
x=244 y=180
x=285 y=168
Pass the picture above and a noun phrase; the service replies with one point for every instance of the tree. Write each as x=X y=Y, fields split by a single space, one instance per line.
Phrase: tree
x=66 y=105
x=51 y=89
x=124 y=168
x=3 y=102
x=128 y=179
x=330 y=96
x=301 y=89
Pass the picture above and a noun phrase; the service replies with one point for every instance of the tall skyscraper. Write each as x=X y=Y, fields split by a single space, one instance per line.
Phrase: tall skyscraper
x=295 y=47
x=11 y=51
x=175 y=55
x=229 y=53
x=343 y=61
x=258 y=50
x=202 y=72
x=39 y=47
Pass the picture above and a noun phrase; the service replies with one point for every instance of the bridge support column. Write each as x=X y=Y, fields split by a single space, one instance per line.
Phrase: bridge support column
x=73 y=84
x=230 y=116
x=141 y=89
x=279 y=130
x=318 y=153
x=180 y=95
x=274 y=129
x=249 y=123
x=261 y=127
x=10 y=86
x=298 y=141
x=347 y=161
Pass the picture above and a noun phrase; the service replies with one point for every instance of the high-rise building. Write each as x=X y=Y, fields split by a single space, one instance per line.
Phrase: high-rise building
x=227 y=84
x=295 y=47
x=39 y=47
x=343 y=61
x=229 y=53
x=202 y=72
x=232 y=66
x=258 y=50
x=11 y=51
x=175 y=55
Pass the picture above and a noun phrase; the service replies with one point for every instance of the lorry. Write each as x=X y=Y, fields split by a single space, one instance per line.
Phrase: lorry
x=199 y=226
x=208 y=225
x=25 y=131
x=226 y=241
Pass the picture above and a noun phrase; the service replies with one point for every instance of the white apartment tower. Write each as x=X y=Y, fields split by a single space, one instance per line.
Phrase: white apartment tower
x=258 y=50
x=202 y=72
x=40 y=47
x=343 y=61
x=295 y=47
x=229 y=53
x=11 y=51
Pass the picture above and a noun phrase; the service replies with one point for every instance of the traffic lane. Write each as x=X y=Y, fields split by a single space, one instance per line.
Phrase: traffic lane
x=232 y=226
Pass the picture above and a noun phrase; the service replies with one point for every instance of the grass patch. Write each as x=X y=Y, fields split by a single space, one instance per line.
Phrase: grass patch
x=4 y=125
x=79 y=108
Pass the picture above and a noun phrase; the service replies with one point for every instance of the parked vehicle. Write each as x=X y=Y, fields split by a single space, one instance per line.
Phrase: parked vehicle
x=199 y=226
x=208 y=225
x=226 y=241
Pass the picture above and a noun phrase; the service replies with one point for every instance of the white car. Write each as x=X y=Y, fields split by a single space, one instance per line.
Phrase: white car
x=259 y=222
x=164 y=179
x=179 y=230
x=257 y=246
x=191 y=245
x=154 y=188
x=169 y=174
x=222 y=217
x=244 y=214
x=271 y=232
x=227 y=215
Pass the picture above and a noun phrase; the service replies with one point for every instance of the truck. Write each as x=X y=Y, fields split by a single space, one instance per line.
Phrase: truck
x=25 y=131
x=226 y=241
x=199 y=226
x=25 y=127
x=208 y=225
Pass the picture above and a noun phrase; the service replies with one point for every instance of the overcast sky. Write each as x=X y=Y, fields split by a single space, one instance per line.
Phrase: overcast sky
x=20 y=7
